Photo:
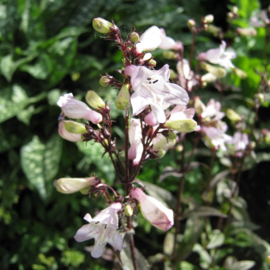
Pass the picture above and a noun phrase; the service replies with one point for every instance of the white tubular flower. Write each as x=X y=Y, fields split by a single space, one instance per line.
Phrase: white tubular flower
x=150 y=39
x=240 y=142
x=153 y=210
x=218 y=56
x=103 y=228
x=135 y=140
x=77 y=109
x=152 y=87
x=72 y=185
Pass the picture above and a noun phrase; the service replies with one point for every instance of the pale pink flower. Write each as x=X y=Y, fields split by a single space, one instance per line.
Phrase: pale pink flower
x=103 y=228
x=218 y=56
x=240 y=142
x=186 y=75
x=135 y=140
x=212 y=110
x=153 y=210
x=77 y=109
x=152 y=88
x=169 y=43
x=216 y=137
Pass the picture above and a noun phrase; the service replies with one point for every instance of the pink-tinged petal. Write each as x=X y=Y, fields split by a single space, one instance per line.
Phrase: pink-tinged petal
x=87 y=232
x=116 y=240
x=159 y=113
x=68 y=135
x=167 y=43
x=88 y=218
x=131 y=70
x=154 y=211
x=150 y=39
x=138 y=103
x=150 y=119
x=109 y=215
x=164 y=72
x=98 y=249
x=175 y=94
x=132 y=152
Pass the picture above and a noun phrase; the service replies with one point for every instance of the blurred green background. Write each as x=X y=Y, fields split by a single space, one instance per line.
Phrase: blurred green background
x=47 y=48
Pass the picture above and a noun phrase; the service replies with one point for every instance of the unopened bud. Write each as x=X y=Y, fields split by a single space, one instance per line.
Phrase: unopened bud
x=247 y=32
x=252 y=145
x=102 y=26
x=198 y=105
x=122 y=100
x=233 y=116
x=230 y=15
x=213 y=30
x=94 y=100
x=187 y=125
x=72 y=185
x=134 y=37
x=208 y=78
x=235 y=9
x=74 y=127
x=147 y=56
x=160 y=153
x=169 y=55
x=260 y=97
x=208 y=19
x=240 y=73
x=105 y=80
x=152 y=63
x=216 y=71
x=173 y=75
x=191 y=23
x=128 y=210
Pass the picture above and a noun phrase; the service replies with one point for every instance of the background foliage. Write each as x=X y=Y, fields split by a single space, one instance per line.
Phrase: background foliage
x=48 y=48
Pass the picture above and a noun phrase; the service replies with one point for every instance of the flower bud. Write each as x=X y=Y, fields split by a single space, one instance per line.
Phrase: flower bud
x=128 y=210
x=198 y=105
x=102 y=26
x=208 y=19
x=216 y=71
x=152 y=63
x=169 y=55
x=105 y=81
x=233 y=116
x=134 y=37
x=153 y=210
x=72 y=185
x=74 y=127
x=173 y=75
x=147 y=57
x=160 y=154
x=208 y=78
x=122 y=100
x=246 y=32
x=191 y=23
x=72 y=137
x=77 y=109
x=260 y=97
x=94 y=100
x=240 y=73
x=187 y=125
x=214 y=30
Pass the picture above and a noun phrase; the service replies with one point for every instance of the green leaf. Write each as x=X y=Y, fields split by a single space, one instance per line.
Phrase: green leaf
x=12 y=103
x=203 y=211
x=241 y=265
x=40 y=163
x=8 y=66
x=216 y=239
x=94 y=152
x=205 y=258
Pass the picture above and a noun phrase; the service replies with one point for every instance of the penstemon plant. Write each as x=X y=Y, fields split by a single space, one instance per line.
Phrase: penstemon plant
x=159 y=107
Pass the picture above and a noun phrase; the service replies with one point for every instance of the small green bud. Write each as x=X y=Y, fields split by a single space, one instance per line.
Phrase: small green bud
x=246 y=32
x=134 y=37
x=122 y=100
x=191 y=23
x=213 y=30
x=152 y=63
x=128 y=210
x=240 y=73
x=169 y=55
x=208 y=19
x=260 y=97
x=198 y=105
x=160 y=153
x=216 y=71
x=105 y=81
x=94 y=100
x=173 y=75
x=102 y=26
x=187 y=125
x=74 y=127
x=252 y=144
x=233 y=116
